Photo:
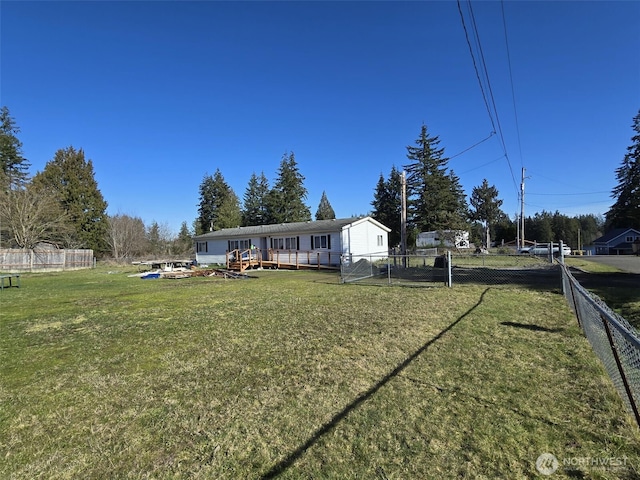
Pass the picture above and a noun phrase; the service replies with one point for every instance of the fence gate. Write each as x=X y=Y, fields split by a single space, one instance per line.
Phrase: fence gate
x=422 y=270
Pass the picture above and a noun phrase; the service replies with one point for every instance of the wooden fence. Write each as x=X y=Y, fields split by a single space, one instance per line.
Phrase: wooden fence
x=14 y=260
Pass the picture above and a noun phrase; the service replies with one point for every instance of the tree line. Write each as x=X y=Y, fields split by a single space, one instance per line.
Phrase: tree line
x=220 y=207
x=437 y=202
x=64 y=206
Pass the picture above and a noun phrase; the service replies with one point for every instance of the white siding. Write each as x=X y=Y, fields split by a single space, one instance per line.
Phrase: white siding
x=363 y=238
x=216 y=252
x=357 y=238
x=308 y=255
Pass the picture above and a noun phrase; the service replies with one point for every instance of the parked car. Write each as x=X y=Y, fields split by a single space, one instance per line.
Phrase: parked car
x=543 y=250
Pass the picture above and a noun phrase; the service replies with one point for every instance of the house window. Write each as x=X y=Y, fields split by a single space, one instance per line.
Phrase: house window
x=285 y=243
x=239 y=244
x=380 y=241
x=320 y=241
x=629 y=239
x=290 y=243
x=202 y=247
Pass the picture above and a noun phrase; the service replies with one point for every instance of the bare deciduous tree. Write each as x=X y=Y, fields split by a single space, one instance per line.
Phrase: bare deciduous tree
x=126 y=236
x=32 y=215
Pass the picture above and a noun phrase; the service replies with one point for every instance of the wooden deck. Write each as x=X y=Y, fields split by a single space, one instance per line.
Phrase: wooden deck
x=286 y=259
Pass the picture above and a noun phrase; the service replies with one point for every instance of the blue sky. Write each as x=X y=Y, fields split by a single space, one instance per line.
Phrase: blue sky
x=159 y=94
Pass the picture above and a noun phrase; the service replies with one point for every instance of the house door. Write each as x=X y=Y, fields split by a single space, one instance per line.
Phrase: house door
x=264 y=248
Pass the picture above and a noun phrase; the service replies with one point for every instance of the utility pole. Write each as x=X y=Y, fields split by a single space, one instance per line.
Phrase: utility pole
x=403 y=219
x=522 y=208
x=579 y=247
x=518 y=246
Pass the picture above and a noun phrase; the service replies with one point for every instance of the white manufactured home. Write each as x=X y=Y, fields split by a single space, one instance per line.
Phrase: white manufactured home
x=321 y=243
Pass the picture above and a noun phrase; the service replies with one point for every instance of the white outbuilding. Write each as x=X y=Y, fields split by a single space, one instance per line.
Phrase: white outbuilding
x=448 y=238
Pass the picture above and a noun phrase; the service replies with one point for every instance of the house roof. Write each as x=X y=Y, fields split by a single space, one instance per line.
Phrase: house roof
x=294 y=228
x=613 y=234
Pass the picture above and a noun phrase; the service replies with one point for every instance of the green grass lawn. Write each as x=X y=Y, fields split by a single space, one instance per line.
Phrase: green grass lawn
x=624 y=300
x=589 y=266
x=294 y=375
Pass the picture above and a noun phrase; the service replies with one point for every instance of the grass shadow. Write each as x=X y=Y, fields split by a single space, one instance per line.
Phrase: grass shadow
x=290 y=459
x=533 y=278
x=536 y=278
x=532 y=327
x=591 y=280
x=620 y=291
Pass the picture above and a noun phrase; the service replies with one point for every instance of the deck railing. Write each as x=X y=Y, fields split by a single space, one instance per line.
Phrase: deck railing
x=303 y=257
x=244 y=258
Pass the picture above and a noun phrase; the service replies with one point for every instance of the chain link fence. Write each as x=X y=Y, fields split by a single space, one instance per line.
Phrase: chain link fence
x=612 y=338
x=431 y=269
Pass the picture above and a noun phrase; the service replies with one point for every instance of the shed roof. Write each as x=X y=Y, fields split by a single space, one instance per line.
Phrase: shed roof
x=294 y=228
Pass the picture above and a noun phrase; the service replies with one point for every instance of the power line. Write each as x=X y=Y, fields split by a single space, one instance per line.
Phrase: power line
x=483 y=165
x=573 y=205
x=555 y=180
x=473 y=146
x=475 y=66
x=486 y=74
x=513 y=95
x=558 y=194
x=486 y=77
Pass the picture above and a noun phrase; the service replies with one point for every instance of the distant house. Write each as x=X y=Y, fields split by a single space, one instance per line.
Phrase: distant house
x=319 y=243
x=448 y=238
x=619 y=241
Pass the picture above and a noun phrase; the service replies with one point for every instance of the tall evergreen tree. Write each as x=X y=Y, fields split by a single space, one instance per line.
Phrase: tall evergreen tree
x=153 y=239
x=73 y=178
x=565 y=229
x=540 y=227
x=229 y=213
x=435 y=197
x=255 y=206
x=590 y=227
x=183 y=244
x=505 y=229
x=13 y=165
x=625 y=212
x=219 y=206
x=486 y=209
x=207 y=204
x=286 y=199
x=325 y=210
x=387 y=204
x=573 y=231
